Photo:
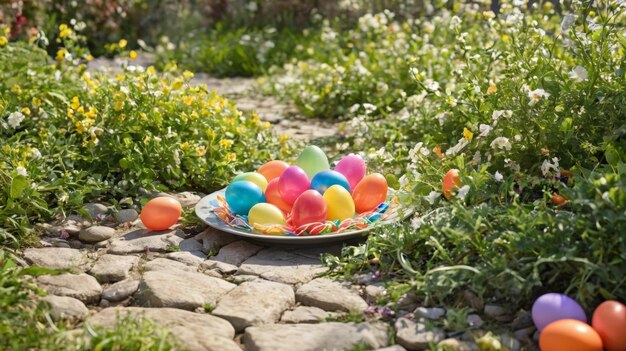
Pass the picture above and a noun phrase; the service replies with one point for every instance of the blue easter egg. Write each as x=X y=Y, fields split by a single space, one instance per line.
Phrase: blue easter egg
x=325 y=179
x=242 y=195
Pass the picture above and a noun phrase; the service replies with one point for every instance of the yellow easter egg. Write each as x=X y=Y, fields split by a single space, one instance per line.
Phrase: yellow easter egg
x=340 y=203
x=266 y=215
x=254 y=177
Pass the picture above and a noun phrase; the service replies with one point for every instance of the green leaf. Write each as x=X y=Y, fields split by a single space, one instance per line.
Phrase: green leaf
x=612 y=156
x=18 y=185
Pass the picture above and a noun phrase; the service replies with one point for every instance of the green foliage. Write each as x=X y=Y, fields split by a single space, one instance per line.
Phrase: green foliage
x=130 y=334
x=69 y=135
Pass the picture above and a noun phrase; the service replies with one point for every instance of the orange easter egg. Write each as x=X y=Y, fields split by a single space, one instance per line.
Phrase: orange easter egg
x=273 y=169
x=161 y=213
x=451 y=181
x=272 y=196
x=571 y=335
x=609 y=320
x=370 y=192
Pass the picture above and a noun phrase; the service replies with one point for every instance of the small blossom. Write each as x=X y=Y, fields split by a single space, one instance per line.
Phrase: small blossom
x=537 y=95
x=568 y=21
x=21 y=171
x=497 y=176
x=467 y=134
x=462 y=192
x=15 y=119
x=484 y=130
x=578 y=74
x=501 y=143
x=432 y=197
x=501 y=113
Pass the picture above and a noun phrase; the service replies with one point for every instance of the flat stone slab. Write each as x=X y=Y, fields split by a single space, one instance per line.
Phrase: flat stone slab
x=330 y=295
x=188 y=258
x=79 y=286
x=113 y=268
x=213 y=239
x=56 y=258
x=96 y=234
x=196 y=331
x=143 y=240
x=282 y=266
x=120 y=290
x=304 y=314
x=313 y=337
x=236 y=252
x=414 y=335
x=65 y=307
x=160 y=264
x=180 y=289
x=255 y=302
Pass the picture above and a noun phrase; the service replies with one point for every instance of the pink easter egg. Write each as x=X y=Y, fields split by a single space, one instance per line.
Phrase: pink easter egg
x=292 y=183
x=353 y=168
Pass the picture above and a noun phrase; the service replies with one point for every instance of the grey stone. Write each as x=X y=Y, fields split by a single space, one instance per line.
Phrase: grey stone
x=80 y=286
x=475 y=321
x=143 y=240
x=160 y=264
x=329 y=295
x=282 y=266
x=313 y=337
x=408 y=302
x=238 y=279
x=104 y=303
x=255 y=303
x=65 y=307
x=213 y=239
x=456 y=345
x=187 y=199
x=126 y=215
x=120 y=290
x=113 y=268
x=225 y=268
x=95 y=210
x=523 y=319
x=373 y=292
x=236 y=252
x=191 y=245
x=415 y=335
x=304 y=314
x=494 y=310
x=188 y=258
x=510 y=343
x=56 y=258
x=180 y=289
x=54 y=242
x=201 y=332
x=429 y=313
x=524 y=333
x=392 y=348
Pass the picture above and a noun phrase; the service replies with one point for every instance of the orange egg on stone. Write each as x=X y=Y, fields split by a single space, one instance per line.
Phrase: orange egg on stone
x=569 y=334
x=161 y=213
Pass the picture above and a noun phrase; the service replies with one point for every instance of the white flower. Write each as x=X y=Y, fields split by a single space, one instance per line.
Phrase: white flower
x=462 y=192
x=414 y=72
x=35 y=153
x=417 y=222
x=501 y=143
x=354 y=108
x=501 y=113
x=432 y=85
x=418 y=150
x=537 y=95
x=21 y=171
x=15 y=119
x=477 y=157
x=252 y=6
x=432 y=197
x=547 y=166
x=458 y=147
x=517 y=137
x=369 y=108
x=484 y=130
x=455 y=22
x=579 y=74
x=497 y=176
x=568 y=21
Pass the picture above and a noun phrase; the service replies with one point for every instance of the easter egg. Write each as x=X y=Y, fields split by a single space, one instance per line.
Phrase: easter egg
x=353 y=168
x=571 y=335
x=254 y=177
x=312 y=160
x=370 y=192
x=451 y=181
x=340 y=203
x=325 y=179
x=161 y=213
x=242 y=195
x=292 y=183
x=552 y=307
x=310 y=207
x=609 y=320
x=272 y=196
x=273 y=169
x=265 y=214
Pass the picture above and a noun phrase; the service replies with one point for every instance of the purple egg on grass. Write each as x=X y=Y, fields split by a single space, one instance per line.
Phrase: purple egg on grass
x=552 y=307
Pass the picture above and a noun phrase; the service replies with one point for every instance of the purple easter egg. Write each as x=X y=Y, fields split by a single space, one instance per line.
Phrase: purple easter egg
x=552 y=307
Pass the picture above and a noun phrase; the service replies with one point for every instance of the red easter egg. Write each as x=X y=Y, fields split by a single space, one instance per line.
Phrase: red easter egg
x=272 y=196
x=370 y=192
x=609 y=320
x=273 y=169
x=309 y=207
x=571 y=335
x=161 y=213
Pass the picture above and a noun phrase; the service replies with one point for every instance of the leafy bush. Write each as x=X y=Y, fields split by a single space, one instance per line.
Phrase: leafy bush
x=69 y=135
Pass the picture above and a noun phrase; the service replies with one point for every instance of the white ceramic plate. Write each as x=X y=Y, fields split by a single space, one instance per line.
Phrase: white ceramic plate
x=204 y=212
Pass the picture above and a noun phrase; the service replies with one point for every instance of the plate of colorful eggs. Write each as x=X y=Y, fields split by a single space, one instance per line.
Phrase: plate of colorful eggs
x=306 y=201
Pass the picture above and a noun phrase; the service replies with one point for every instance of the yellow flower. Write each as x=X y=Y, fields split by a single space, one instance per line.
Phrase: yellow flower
x=92 y=113
x=35 y=101
x=150 y=70
x=193 y=115
x=184 y=145
x=119 y=104
x=283 y=138
x=188 y=100
x=132 y=54
x=16 y=89
x=489 y=14
x=75 y=103
x=177 y=84
x=61 y=54
x=467 y=134
x=122 y=43
x=226 y=143
x=89 y=58
x=64 y=31
x=143 y=116
x=3 y=40
x=26 y=111
x=505 y=38
x=231 y=157
x=266 y=125
x=188 y=74
x=492 y=89
x=201 y=150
